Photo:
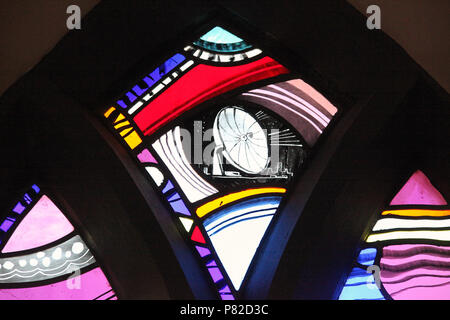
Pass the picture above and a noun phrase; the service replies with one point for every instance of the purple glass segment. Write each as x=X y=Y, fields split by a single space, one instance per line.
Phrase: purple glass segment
x=168 y=187
x=121 y=103
x=174 y=197
x=36 y=188
x=138 y=90
x=225 y=289
x=131 y=96
x=18 y=208
x=27 y=198
x=148 y=81
x=226 y=297
x=166 y=67
x=6 y=224
x=179 y=207
x=202 y=251
x=216 y=275
x=212 y=263
x=151 y=79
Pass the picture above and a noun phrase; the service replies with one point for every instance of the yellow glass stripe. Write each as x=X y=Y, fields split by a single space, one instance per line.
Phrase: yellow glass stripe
x=117 y=126
x=133 y=140
x=418 y=212
x=216 y=203
x=119 y=117
x=108 y=113
x=124 y=132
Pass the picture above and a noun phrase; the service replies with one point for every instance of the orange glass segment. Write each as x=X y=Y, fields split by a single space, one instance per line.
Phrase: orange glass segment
x=108 y=113
x=418 y=213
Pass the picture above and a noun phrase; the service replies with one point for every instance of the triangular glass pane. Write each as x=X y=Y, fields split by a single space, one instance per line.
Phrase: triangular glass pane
x=43 y=252
x=418 y=190
x=236 y=233
x=187 y=223
x=44 y=224
x=220 y=35
x=407 y=249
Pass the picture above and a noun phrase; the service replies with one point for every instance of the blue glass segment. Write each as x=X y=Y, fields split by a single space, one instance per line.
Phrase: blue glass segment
x=367 y=256
x=220 y=40
x=220 y=35
x=150 y=79
x=360 y=285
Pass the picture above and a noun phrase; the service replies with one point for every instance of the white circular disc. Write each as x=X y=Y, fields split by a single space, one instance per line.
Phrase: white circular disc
x=243 y=139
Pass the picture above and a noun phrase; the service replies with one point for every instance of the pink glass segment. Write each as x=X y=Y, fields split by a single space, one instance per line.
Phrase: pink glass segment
x=44 y=224
x=314 y=95
x=87 y=286
x=418 y=190
x=416 y=271
x=146 y=156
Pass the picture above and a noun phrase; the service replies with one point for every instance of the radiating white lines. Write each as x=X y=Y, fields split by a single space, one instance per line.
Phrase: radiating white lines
x=284 y=131
x=259 y=115
x=284 y=138
x=287 y=145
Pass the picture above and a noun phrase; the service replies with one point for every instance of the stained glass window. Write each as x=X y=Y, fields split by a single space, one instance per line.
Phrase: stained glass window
x=43 y=257
x=222 y=129
x=407 y=254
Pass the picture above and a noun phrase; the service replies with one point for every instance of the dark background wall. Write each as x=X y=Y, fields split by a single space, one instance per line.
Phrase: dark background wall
x=30 y=29
x=395 y=120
